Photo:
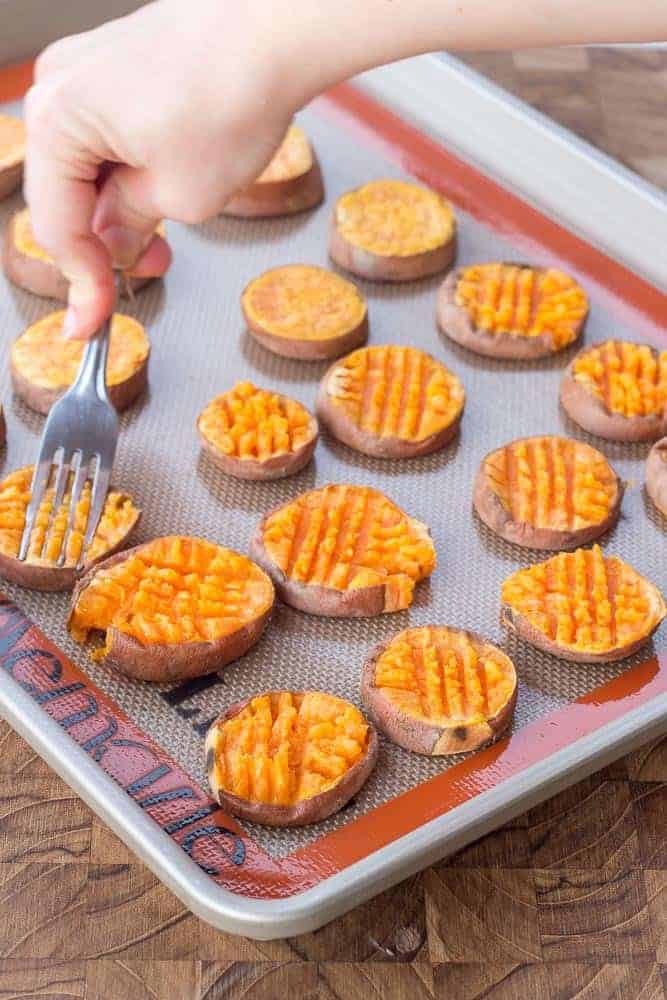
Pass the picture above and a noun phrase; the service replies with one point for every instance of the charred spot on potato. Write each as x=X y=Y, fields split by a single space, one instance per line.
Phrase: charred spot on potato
x=349 y=538
x=460 y=733
x=502 y=298
x=210 y=761
x=626 y=378
x=584 y=602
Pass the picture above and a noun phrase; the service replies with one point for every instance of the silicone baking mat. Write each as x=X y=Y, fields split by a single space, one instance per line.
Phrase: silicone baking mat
x=200 y=348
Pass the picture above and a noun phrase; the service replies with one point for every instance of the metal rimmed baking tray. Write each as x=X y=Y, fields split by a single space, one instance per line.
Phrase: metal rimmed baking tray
x=134 y=751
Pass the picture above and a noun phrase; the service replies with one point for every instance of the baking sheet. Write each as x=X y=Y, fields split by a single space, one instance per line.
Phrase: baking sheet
x=199 y=348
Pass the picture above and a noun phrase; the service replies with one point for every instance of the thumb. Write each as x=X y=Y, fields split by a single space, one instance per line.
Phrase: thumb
x=125 y=219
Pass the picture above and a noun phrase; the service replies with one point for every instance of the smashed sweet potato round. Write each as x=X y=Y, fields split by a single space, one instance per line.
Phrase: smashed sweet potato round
x=547 y=493
x=291 y=183
x=437 y=690
x=656 y=475
x=511 y=311
x=343 y=552
x=582 y=606
x=305 y=312
x=12 y=153
x=618 y=390
x=288 y=758
x=44 y=364
x=172 y=608
x=391 y=402
x=40 y=570
x=30 y=267
x=251 y=433
x=392 y=230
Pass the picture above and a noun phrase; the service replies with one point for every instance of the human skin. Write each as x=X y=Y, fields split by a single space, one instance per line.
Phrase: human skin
x=126 y=125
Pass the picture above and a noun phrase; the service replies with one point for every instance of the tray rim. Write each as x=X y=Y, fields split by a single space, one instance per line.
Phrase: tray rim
x=262 y=919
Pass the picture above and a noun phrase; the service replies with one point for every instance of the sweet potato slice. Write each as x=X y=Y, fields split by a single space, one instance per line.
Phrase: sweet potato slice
x=582 y=606
x=437 y=690
x=618 y=390
x=305 y=312
x=12 y=153
x=547 y=493
x=288 y=758
x=44 y=364
x=392 y=230
x=3 y=426
x=40 y=570
x=391 y=402
x=30 y=267
x=511 y=311
x=656 y=475
x=251 y=433
x=291 y=183
x=172 y=608
x=343 y=552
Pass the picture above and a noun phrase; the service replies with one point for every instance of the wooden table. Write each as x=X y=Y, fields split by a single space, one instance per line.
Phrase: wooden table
x=570 y=900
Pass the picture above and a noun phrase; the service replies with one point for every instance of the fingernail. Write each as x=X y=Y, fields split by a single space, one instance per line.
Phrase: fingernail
x=124 y=245
x=71 y=324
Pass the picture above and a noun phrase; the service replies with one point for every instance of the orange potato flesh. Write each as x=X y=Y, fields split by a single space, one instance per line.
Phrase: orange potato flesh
x=12 y=141
x=349 y=537
x=393 y=218
x=444 y=676
x=285 y=747
x=552 y=482
x=292 y=158
x=251 y=423
x=585 y=602
x=173 y=590
x=117 y=519
x=303 y=302
x=398 y=392
x=46 y=359
x=507 y=298
x=629 y=379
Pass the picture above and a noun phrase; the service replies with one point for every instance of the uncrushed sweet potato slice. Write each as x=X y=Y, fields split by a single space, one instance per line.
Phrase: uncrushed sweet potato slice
x=582 y=606
x=306 y=312
x=12 y=153
x=173 y=607
x=44 y=364
x=289 y=757
x=547 y=492
x=40 y=569
x=391 y=401
x=439 y=690
x=293 y=158
x=344 y=550
x=256 y=434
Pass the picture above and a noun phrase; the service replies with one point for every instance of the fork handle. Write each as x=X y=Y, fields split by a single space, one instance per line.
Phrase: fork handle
x=92 y=370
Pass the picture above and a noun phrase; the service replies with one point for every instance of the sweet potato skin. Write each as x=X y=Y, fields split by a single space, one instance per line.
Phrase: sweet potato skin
x=454 y=322
x=312 y=810
x=307 y=350
x=278 y=467
x=10 y=178
x=375 y=267
x=337 y=423
x=3 y=427
x=656 y=475
x=591 y=414
x=274 y=198
x=419 y=735
x=491 y=511
x=163 y=663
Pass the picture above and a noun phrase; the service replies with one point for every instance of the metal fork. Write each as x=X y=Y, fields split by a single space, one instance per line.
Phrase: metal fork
x=81 y=429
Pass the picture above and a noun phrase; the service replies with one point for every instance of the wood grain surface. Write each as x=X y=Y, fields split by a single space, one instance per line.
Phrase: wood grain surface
x=567 y=901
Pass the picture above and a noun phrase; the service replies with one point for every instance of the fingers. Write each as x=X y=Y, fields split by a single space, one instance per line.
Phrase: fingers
x=126 y=214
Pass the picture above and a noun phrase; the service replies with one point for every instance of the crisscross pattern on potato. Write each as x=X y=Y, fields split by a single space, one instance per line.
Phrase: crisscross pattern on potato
x=252 y=423
x=118 y=516
x=630 y=379
x=585 y=601
x=12 y=141
x=526 y=301
x=284 y=747
x=174 y=590
x=444 y=675
x=46 y=359
x=303 y=302
x=348 y=537
x=552 y=482
x=394 y=218
x=397 y=392
x=292 y=158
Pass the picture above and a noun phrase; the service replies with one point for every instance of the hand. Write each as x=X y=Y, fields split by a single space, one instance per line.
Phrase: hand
x=150 y=116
